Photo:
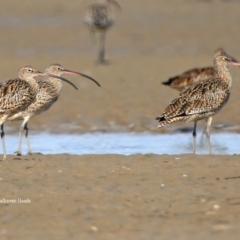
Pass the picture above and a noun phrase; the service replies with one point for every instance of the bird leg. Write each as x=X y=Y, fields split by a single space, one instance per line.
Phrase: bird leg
x=93 y=37
x=203 y=134
x=101 y=53
x=22 y=128
x=194 y=136
x=27 y=139
x=3 y=142
x=209 y=121
x=19 y=151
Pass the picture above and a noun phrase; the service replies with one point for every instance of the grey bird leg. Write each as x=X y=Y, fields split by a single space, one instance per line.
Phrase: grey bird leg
x=101 y=53
x=93 y=37
x=3 y=142
x=22 y=127
x=194 y=136
x=203 y=134
x=27 y=139
x=209 y=121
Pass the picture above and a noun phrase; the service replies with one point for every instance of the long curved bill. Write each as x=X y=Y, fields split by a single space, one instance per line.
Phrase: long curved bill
x=115 y=3
x=235 y=63
x=63 y=79
x=66 y=71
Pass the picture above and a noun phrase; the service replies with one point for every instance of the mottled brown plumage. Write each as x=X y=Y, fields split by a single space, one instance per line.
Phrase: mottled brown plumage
x=194 y=75
x=100 y=18
x=189 y=77
x=182 y=81
x=48 y=93
x=16 y=95
x=201 y=100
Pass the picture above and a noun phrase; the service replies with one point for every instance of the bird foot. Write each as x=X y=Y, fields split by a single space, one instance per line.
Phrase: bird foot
x=31 y=153
x=17 y=153
x=102 y=62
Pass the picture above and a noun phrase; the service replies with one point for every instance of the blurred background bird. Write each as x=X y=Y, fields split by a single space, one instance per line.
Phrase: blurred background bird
x=99 y=18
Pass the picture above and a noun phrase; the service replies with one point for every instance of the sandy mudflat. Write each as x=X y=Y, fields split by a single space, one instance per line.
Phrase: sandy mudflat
x=118 y=197
x=113 y=196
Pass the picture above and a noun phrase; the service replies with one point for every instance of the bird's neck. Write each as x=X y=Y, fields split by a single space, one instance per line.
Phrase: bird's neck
x=33 y=83
x=56 y=83
x=224 y=74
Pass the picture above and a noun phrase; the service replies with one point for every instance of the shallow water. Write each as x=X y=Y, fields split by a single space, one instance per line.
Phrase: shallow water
x=125 y=143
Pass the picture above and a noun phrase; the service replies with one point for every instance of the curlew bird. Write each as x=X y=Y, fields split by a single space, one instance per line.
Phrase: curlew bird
x=202 y=100
x=16 y=95
x=184 y=80
x=99 y=18
x=48 y=93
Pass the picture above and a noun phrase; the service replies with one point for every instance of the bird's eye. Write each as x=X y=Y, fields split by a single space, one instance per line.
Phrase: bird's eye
x=29 y=70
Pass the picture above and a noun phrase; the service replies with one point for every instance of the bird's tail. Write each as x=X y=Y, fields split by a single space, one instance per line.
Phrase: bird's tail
x=169 y=81
x=163 y=122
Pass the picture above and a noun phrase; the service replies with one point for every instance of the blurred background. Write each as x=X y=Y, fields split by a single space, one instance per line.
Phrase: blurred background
x=150 y=42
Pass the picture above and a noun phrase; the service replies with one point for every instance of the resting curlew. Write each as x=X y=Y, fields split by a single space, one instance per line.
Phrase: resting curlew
x=191 y=76
x=48 y=93
x=202 y=100
x=99 y=18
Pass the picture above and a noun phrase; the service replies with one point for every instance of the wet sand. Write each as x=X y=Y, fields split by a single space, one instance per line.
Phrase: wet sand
x=120 y=197
x=115 y=196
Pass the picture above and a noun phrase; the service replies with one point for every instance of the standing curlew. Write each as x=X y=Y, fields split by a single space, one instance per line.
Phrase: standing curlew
x=202 y=100
x=99 y=18
x=48 y=93
x=191 y=76
x=184 y=80
x=16 y=95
